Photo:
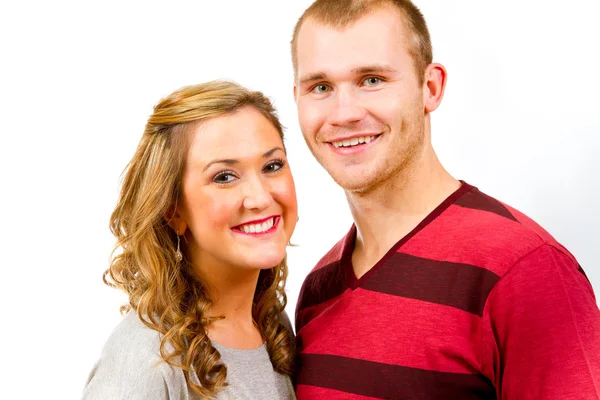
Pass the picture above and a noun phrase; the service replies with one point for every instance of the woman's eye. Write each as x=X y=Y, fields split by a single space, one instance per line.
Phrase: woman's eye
x=321 y=88
x=371 y=81
x=224 y=177
x=274 y=166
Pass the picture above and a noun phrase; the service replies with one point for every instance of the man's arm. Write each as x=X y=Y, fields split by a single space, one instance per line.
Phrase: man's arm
x=541 y=331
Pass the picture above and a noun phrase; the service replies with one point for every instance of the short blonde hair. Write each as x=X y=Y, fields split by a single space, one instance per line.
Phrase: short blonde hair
x=340 y=13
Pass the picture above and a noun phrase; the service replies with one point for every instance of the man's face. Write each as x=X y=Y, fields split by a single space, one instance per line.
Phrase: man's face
x=360 y=101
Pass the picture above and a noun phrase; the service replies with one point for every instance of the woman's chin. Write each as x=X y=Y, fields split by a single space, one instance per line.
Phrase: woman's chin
x=266 y=261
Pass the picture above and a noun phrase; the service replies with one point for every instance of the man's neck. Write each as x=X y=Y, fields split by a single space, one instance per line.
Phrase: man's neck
x=389 y=212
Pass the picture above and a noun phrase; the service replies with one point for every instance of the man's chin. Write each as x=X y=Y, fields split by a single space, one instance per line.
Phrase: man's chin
x=355 y=184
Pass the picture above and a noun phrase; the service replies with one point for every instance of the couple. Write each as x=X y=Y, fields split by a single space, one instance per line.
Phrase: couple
x=437 y=291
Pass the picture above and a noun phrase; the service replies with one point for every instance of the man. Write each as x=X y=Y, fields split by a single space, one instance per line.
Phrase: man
x=438 y=291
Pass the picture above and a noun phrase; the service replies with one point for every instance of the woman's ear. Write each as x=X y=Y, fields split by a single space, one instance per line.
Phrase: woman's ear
x=176 y=221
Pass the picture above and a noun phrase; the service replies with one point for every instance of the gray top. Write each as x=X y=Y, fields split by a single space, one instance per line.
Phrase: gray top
x=129 y=368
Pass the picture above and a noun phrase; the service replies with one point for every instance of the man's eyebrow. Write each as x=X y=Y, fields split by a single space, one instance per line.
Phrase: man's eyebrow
x=311 y=77
x=231 y=161
x=375 y=68
x=367 y=69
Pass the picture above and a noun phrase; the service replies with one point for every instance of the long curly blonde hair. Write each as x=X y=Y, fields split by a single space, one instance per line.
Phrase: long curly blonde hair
x=167 y=296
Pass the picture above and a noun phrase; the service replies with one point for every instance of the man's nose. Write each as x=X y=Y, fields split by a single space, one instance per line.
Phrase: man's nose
x=347 y=108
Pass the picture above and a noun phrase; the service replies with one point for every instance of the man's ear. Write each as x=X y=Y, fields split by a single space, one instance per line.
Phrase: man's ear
x=434 y=86
x=176 y=221
x=295 y=94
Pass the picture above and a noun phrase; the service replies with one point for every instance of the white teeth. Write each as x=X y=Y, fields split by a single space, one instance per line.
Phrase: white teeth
x=353 y=141
x=258 y=228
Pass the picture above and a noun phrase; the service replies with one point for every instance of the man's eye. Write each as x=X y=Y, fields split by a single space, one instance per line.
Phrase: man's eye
x=321 y=88
x=371 y=81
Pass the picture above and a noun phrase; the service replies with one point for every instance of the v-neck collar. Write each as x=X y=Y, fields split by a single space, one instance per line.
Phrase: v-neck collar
x=346 y=261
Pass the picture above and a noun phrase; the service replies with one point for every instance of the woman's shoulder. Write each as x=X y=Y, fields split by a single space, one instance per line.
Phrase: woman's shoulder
x=132 y=337
x=130 y=365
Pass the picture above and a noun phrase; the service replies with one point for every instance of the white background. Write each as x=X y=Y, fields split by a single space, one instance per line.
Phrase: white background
x=78 y=81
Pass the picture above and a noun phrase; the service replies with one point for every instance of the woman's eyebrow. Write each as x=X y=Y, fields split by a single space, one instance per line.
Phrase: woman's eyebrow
x=231 y=161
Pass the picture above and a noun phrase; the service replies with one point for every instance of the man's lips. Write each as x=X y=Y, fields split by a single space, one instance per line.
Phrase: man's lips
x=354 y=145
x=353 y=140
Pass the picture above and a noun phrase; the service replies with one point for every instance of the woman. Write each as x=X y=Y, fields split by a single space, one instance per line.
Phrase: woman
x=206 y=210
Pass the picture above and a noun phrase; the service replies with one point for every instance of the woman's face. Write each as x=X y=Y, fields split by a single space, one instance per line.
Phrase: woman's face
x=239 y=202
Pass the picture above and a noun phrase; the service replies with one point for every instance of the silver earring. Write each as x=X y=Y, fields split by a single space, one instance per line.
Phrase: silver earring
x=178 y=255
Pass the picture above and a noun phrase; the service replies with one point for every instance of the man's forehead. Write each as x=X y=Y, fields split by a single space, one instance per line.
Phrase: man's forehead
x=362 y=45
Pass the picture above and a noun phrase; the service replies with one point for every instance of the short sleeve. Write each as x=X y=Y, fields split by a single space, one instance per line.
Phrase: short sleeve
x=541 y=330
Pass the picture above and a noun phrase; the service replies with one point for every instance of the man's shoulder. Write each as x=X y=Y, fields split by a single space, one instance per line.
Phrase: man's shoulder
x=326 y=280
x=513 y=222
x=329 y=269
x=333 y=256
x=486 y=229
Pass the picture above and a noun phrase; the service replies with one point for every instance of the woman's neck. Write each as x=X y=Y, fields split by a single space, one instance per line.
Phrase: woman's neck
x=231 y=291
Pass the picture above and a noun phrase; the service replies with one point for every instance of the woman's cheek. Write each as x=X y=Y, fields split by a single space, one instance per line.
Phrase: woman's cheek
x=286 y=197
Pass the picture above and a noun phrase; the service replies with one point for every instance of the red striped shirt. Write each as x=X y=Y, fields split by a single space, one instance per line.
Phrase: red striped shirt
x=477 y=302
